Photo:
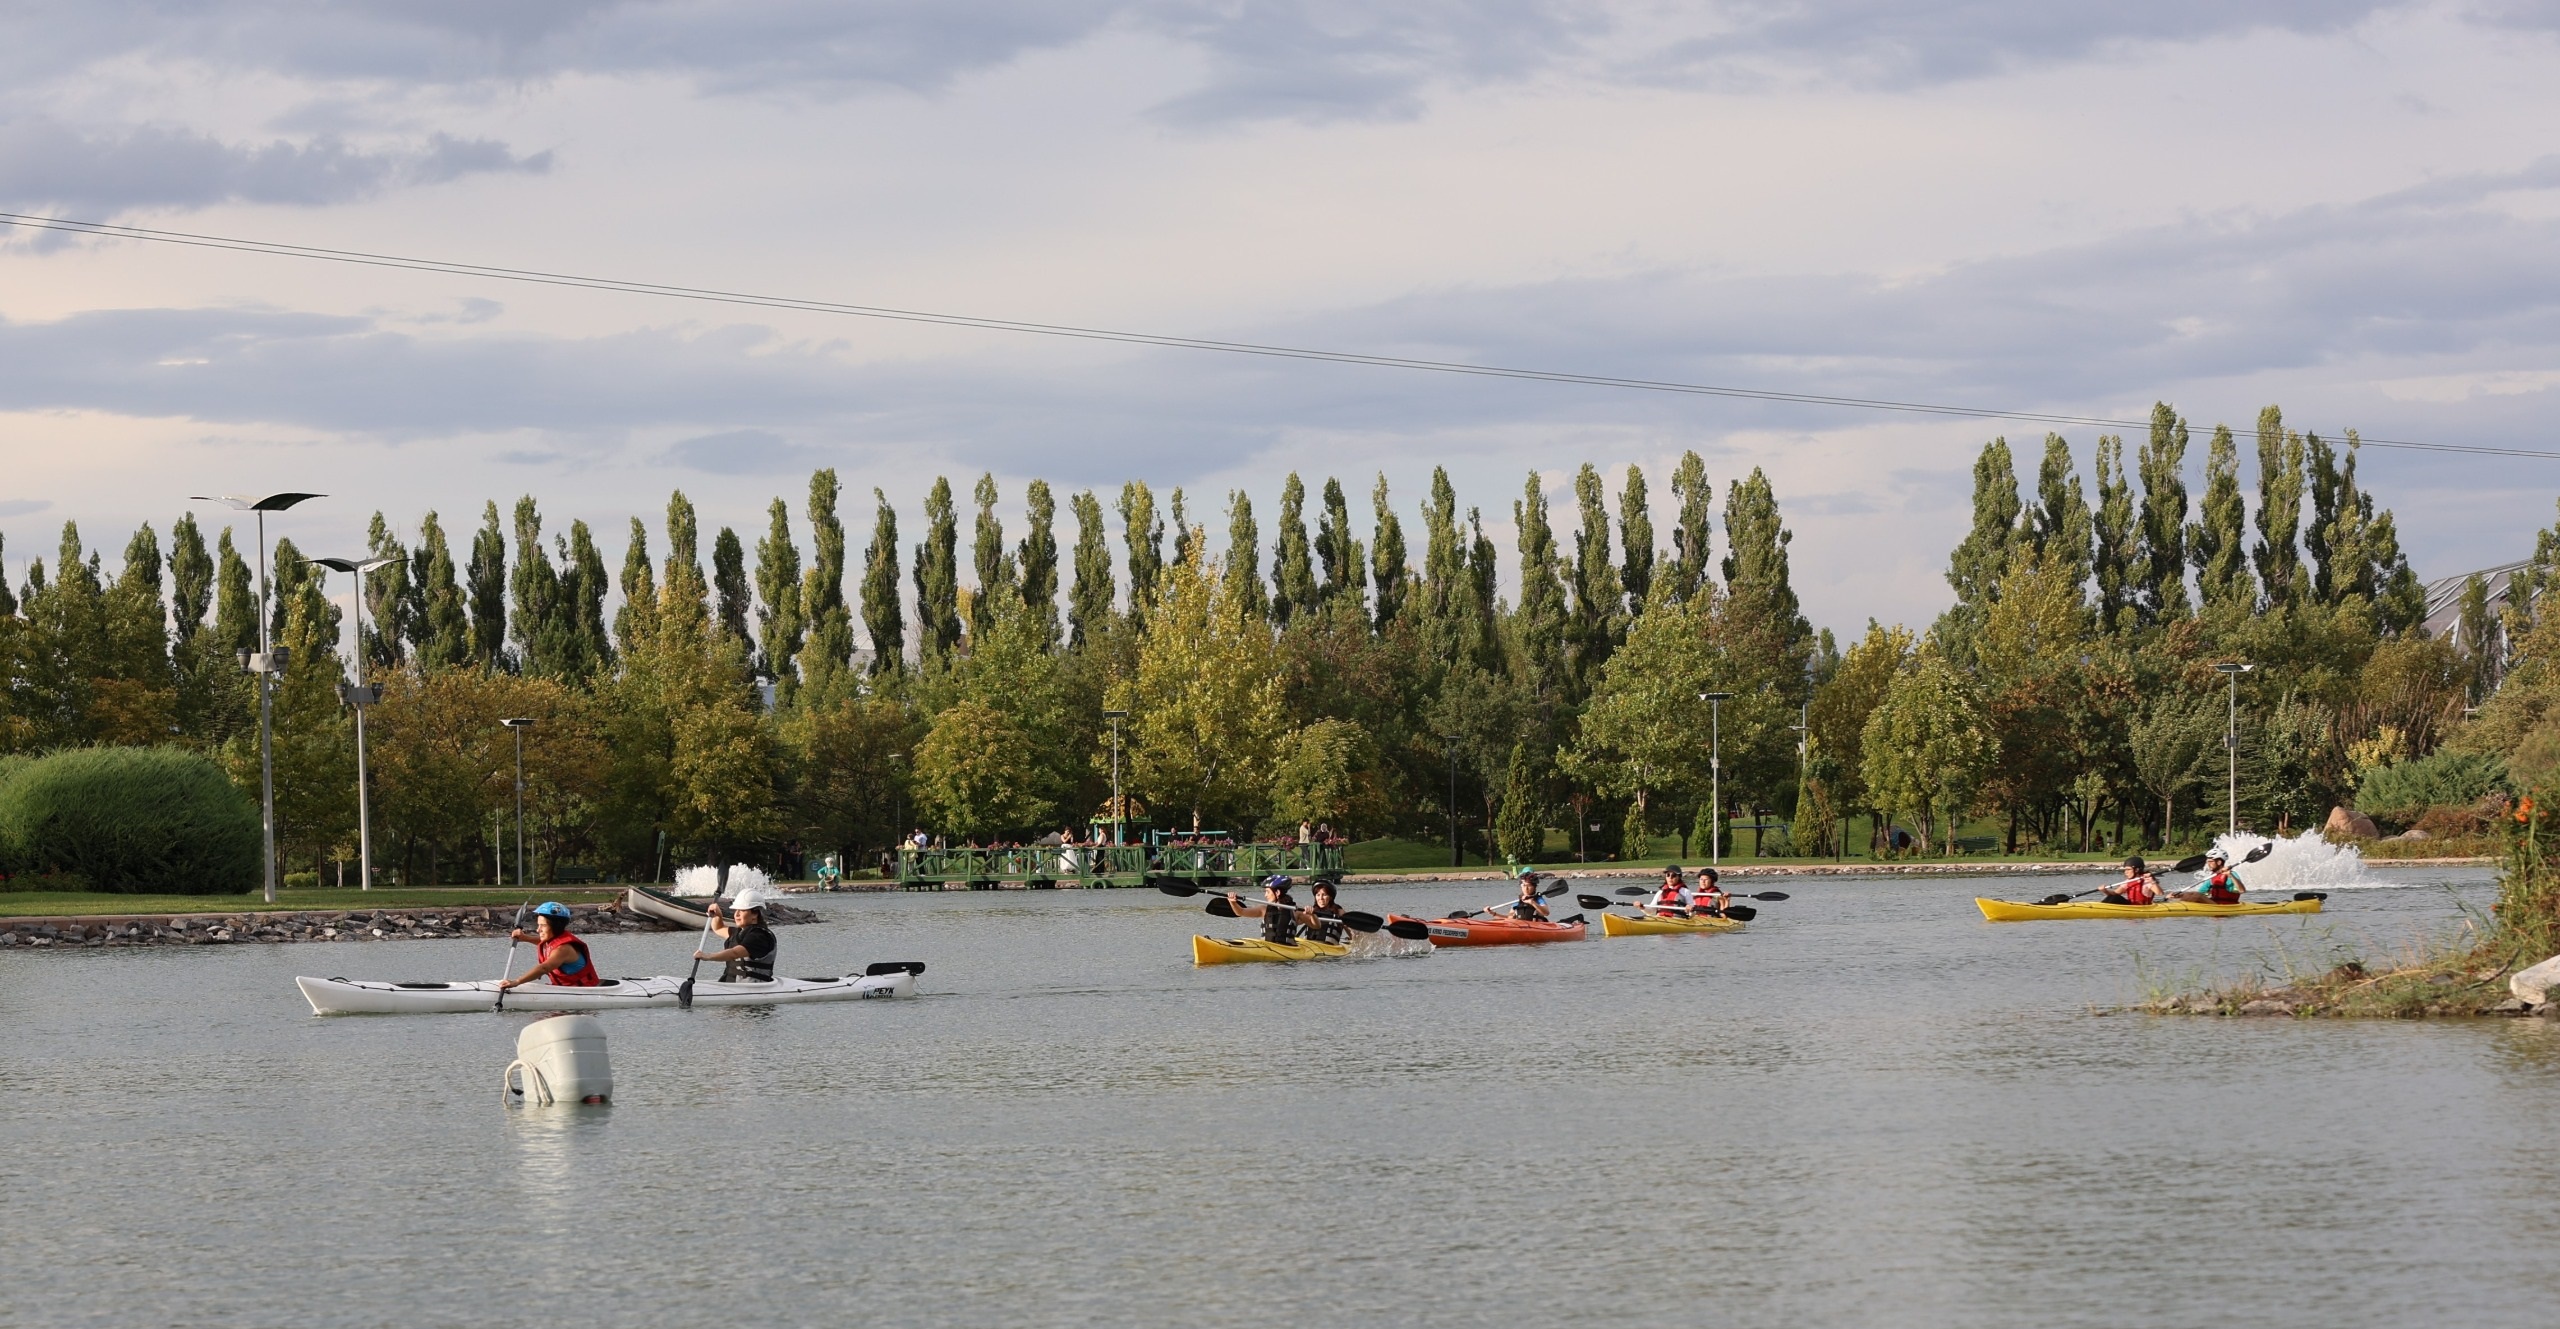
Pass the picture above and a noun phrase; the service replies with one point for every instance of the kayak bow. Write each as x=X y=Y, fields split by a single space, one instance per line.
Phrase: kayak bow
x=1254 y=950
x=2013 y=911
x=1641 y=925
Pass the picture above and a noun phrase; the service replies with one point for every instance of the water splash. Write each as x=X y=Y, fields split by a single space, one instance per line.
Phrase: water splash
x=704 y=882
x=2305 y=862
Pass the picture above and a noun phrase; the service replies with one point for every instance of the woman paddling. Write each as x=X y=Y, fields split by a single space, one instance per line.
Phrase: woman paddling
x=1710 y=897
x=2140 y=885
x=749 y=954
x=1529 y=908
x=2221 y=884
x=1279 y=913
x=558 y=953
x=1672 y=899
x=1324 y=917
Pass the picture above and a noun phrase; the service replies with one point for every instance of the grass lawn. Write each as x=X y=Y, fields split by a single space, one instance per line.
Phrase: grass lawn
x=22 y=904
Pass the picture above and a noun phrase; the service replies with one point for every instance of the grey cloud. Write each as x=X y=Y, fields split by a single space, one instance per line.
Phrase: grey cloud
x=746 y=452
x=20 y=507
x=45 y=163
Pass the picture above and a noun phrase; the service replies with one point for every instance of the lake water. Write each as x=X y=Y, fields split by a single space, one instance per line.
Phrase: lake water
x=1870 y=1107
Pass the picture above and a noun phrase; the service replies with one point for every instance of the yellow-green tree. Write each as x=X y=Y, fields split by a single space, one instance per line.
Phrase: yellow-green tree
x=1648 y=731
x=1925 y=746
x=1327 y=772
x=1204 y=703
x=972 y=776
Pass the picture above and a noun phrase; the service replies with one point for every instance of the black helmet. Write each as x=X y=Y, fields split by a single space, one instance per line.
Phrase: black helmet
x=2134 y=862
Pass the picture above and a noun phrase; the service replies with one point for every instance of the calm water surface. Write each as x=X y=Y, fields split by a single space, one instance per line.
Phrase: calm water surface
x=1870 y=1107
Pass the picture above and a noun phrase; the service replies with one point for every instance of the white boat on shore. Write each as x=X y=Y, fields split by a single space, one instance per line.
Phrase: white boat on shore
x=352 y=996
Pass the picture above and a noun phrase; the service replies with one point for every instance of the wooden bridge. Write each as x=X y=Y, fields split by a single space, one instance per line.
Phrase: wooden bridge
x=1078 y=867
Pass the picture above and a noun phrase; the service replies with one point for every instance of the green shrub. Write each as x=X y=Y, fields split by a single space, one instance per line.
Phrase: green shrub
x=45 y=881
x=2403 y=792
x=302 y=881
x=142 y=821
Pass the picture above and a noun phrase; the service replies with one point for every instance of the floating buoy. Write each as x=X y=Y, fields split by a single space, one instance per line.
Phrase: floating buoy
x=559 y=1059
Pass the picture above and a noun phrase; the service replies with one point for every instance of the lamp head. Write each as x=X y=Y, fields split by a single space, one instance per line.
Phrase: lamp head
x=2234 y=667
x=255 y=503
x=519 y=722
x=1715 y=696
x=355 y=565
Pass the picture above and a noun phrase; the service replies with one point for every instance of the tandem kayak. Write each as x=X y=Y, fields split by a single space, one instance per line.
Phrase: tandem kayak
x=2013 y=911
x=1496 y=931
x=1254 y=950
x=1644 y=925
x=349 y=996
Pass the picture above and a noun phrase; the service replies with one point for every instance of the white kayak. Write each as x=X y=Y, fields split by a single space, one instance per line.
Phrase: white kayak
x=350 y=996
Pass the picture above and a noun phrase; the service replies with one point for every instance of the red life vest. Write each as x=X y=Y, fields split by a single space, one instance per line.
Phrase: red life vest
x=2220 y=889
x=2138 y=890
x=1671 y=897
x=578 y=973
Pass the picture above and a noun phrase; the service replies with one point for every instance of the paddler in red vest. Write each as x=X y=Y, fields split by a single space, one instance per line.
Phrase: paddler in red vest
x=1709 y=897
x=558 y=953
x=2221 y=884
x=2139 y=886
x=1672 y=899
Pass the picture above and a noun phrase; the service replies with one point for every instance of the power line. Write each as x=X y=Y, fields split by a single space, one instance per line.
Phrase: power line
x=538 y=277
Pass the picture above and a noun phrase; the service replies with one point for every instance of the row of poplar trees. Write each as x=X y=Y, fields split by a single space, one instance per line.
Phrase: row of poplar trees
x=1334 y=672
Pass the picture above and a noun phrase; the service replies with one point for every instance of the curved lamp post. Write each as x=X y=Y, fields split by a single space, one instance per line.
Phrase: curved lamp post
x=359 y=696
x=519 y=725
x=266 y=664
x=2230 y=745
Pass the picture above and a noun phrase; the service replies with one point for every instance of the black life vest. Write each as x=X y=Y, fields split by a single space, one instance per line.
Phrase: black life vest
x=756 y=966
x=1279 y=923
x=1326 y=924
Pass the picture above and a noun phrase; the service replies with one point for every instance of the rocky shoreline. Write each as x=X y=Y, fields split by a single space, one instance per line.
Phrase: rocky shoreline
x=415 y=924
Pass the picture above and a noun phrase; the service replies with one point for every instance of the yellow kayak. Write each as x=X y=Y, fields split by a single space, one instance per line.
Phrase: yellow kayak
x=2012 y=911
x=1254 y=950
x=1643 y=925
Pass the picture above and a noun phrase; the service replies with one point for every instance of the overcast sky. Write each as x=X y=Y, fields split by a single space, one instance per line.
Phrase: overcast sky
x=2346 y=208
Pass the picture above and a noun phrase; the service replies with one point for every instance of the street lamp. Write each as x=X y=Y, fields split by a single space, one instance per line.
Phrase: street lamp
x=1119 y=813
x=359 y=696
x=267 y=666
x=2231 y=742
x=1450 y=742
x=1715 y=775
x=519 y=725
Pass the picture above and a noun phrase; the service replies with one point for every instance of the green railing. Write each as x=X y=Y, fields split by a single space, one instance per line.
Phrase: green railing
x=1110 y=865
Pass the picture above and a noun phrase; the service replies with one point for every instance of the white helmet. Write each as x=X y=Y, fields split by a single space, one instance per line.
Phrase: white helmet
x=750 y=898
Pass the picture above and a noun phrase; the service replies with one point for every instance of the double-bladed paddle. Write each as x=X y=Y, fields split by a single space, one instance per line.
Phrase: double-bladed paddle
x=1352 y=919
x=501 y=1003
x=2191 y=863
x=1585 y=901
x=893 y=967
x=1550 y=893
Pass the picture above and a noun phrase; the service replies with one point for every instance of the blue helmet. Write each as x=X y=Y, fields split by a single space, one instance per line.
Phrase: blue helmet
x=552 y=909
x=1279 y=882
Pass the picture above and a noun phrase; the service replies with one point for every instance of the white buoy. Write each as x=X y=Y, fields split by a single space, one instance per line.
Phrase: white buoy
x=560 y=1059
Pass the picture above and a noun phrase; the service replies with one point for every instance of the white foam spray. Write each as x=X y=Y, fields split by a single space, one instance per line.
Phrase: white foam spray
x=2305 y=862
x=704 y=882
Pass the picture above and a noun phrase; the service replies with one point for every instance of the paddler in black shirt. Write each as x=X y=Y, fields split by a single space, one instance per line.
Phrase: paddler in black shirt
x=751 y=947
x=1324 y=917
x=1279 y=913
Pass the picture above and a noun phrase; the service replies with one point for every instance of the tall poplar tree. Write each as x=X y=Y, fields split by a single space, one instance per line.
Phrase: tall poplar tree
x=1599 y=602
x=1244 y=556
x=2216 y=541
x=1293 y=575
x=883 y=618
x=828 y=650
x=488 y=591
x=235 y=604
x=1182 y=537
x=684 y=598
x=636 y=622
x=729 y=582
x=2117 y=562
x=1975 y=568
x=1387 y=568
x=1635 y=536
x=583 y=588
x=2060 y=524
x=1760 y=593
x=2163 y=570
x=1142 y=535
x=779 y=626
x=1089 y=604
x=993 y=562
x=542 y=648
x=1448 y=602
x=391 y=601
x=1539 y=624
x=2280 y=467
x=1036 y=563
x=1345 y=579
x=1692 y=539
x=937 y=574
x=190 y=580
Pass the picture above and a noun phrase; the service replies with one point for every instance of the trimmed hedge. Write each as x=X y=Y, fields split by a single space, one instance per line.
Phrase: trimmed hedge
x=140 y=821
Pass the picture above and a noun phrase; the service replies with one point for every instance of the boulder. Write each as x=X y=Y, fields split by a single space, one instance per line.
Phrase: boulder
x=2534 y=984
x=2349 y=824
x=2414 y=833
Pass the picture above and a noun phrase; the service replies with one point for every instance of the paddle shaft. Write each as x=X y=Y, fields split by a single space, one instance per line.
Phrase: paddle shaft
x=684 y=990
x=501 y=1003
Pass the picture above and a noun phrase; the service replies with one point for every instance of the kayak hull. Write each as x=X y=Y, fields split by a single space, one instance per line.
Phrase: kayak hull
x=346 y=996
x=1497 y=931
x=1648 y=925
x=1254 y=950
x=664 y=907
x=2012 y=911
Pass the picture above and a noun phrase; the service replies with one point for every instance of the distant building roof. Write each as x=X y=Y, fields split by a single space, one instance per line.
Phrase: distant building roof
x=2444 y=595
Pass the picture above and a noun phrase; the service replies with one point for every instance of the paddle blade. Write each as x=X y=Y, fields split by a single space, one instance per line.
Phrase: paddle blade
x=1552 y=892
x=684 y=994
x=1741 y=913
x=1360 y=922
x=1179 y=889
x=1220 y=908
x=2054 y=899
x=2191 y=863
x=1635 y=890
x=893 y=967
x=1593 y=901
x=1573 y=921
x=1459 y=913
x=1767 y=895
x=1409 y=929
x=2311 y=895
x=2260 y=852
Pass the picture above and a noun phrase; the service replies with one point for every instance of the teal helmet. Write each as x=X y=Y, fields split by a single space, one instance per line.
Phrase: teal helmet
x=552 y=909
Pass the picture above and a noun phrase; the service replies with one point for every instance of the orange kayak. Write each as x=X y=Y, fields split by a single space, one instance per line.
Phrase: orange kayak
x=1497 y=931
